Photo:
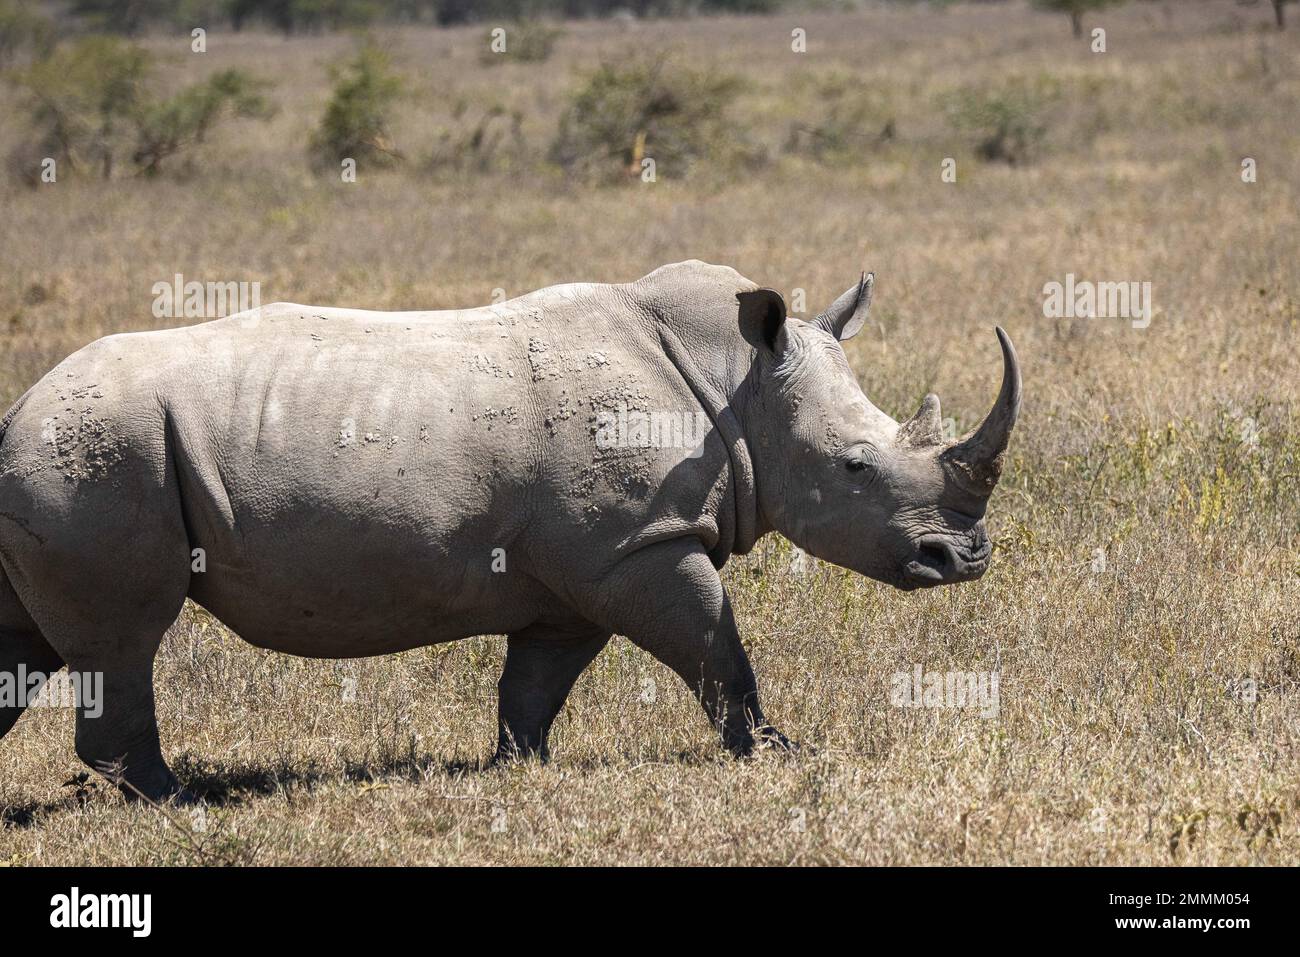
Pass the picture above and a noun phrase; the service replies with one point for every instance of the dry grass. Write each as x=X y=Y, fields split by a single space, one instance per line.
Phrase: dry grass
x=1119 y=738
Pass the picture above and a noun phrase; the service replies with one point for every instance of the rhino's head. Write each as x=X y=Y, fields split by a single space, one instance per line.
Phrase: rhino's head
x=844 y=481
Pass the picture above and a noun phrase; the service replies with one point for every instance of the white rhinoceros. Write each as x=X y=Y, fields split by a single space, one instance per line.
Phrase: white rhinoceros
x=557 y=468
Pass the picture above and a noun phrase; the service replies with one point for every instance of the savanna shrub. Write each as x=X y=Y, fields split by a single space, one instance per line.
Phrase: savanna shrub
x=166 y=127
x=850 y=118
x=91 y=104
x=524 y=41
x=359 y=114
x=479 y=140
x=81 y=100
x=1008 y=122
x=648 y=107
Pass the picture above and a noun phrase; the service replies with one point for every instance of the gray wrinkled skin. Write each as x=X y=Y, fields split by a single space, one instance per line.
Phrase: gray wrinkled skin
x=357 y=480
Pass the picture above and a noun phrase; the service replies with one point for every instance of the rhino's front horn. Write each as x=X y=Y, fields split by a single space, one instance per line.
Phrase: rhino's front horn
x=978 y=457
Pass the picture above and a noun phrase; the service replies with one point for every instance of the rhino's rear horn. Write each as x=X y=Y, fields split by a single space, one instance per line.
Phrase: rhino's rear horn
x=925 y=428
x=847 y=314
x=978 y=457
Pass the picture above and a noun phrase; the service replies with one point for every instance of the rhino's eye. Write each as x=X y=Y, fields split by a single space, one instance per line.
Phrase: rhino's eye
x=857 y=465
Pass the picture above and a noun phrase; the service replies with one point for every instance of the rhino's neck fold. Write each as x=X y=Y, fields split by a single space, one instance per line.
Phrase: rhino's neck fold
x=744 y=528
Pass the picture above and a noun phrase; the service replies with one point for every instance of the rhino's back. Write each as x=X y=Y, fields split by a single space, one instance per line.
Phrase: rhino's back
x=420 y=463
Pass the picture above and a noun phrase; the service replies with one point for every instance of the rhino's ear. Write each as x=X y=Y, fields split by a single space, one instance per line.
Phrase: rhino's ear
x=762 y=318
x=847 y=314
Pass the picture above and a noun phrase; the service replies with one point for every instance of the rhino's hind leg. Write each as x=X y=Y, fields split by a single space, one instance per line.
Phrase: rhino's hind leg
x=22 y=654
x=117 y=735
x=104 y=611
x=542 y=664
x=100 y=563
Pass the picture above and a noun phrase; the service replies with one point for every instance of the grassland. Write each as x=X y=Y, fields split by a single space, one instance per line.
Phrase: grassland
x=1150 y=692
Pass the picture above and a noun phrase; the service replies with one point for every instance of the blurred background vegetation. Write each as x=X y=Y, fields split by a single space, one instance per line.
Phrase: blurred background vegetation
x=132 y=17
x=87 y=76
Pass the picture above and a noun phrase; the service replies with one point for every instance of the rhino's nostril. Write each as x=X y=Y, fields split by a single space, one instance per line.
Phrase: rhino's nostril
x=931 y=564
x=940 y=560
x=935 y=555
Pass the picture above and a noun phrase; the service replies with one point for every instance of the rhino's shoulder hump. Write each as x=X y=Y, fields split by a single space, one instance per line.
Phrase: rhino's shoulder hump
x=693 y=284
x=696 y=271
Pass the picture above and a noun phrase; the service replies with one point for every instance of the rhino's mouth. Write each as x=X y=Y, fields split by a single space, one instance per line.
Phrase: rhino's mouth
x=941 y=560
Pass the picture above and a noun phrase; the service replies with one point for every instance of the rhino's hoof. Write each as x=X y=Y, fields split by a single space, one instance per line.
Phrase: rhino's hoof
x=158 y=786
x=505 y=757
x=765 y=738
x=182 y=797
x=770 y=739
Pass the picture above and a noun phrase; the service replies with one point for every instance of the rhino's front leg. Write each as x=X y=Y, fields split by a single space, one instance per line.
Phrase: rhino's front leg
x=669 y=600
x=542 y=663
